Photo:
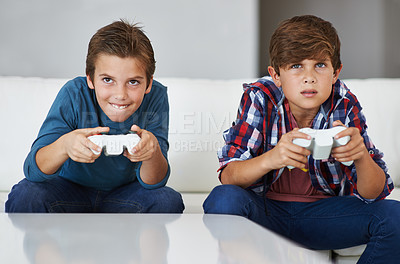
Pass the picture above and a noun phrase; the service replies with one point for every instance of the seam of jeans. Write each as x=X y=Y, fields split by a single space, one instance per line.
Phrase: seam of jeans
x=125 y=202
x=61 y=203
x=377 y=243
x=96 y=201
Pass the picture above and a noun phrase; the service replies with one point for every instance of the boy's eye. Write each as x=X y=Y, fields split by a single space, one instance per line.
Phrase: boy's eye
x=133 y=82
x=295 y=66
x=320 y=65
x=107 y=80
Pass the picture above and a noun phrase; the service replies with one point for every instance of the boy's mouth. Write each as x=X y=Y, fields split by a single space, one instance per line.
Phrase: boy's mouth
x=118 y=106
x=309 y=93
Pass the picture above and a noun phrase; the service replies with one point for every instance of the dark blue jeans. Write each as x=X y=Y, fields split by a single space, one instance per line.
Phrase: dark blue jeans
x=331 y=223
x=62 y=196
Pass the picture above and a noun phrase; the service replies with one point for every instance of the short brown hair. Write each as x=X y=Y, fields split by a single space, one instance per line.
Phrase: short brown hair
x=124 y=40
x=304 y=37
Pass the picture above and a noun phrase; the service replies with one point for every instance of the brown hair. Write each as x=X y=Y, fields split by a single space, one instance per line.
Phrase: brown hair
x=304 y=37
x=124 y=40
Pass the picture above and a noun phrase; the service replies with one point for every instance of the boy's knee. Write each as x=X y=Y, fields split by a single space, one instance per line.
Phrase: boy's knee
x=388 y=215
x=226 y=199
x=25 y=197
x=168 y=201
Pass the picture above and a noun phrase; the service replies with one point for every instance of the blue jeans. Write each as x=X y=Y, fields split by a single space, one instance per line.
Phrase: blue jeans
x=62 y=196
x=331 y=223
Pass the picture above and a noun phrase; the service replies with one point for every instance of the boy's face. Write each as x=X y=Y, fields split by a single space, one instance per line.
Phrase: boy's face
x=120 y=85
x=306 y=84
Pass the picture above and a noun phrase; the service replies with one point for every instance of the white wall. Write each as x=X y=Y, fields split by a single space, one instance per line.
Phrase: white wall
x=214 y=39
x=217 y=39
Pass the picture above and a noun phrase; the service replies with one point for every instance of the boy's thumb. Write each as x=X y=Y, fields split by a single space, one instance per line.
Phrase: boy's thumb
x=135 y=128
x=97 y=130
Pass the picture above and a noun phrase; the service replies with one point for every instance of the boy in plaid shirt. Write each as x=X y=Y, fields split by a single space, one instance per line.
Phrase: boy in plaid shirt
x=321 y=204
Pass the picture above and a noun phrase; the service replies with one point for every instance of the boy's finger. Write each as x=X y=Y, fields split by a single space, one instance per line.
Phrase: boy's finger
x=96 y=130
x=93 y=147
x=136 y=128
x=87 y=132
x=97 y=149
x=337 y=123
x=297 y=134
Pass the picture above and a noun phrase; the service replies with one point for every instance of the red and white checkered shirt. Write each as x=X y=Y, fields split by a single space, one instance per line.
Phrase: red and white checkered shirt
x=264 y=116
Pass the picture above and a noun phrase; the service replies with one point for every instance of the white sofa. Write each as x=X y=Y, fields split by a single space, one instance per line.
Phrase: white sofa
x=200 y=110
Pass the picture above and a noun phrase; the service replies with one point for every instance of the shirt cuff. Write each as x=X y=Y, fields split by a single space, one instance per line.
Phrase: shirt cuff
x=32 y=171
x=162 y=183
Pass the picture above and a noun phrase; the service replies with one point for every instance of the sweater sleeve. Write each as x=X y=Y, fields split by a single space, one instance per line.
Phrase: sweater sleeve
x=58 y=122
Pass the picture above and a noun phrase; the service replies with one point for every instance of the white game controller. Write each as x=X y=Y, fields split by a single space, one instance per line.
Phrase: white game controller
x=321 y=142
x=114 y=145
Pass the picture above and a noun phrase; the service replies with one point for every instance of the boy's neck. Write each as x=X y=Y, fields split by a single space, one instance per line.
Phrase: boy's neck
x=304 y=119
x=306 y=123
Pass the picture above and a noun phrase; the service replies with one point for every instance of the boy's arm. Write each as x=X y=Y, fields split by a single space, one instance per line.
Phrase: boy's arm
x=74 y=145
x=152 y=150
x=243 y=173
x=371 y=178
x=246 y=172
x=59 y=130
x=57 y=123
x=243 y=159
x=154 y=166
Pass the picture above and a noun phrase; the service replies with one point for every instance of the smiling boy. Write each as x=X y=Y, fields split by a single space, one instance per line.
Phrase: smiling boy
x=321 y=204
x=117 y=95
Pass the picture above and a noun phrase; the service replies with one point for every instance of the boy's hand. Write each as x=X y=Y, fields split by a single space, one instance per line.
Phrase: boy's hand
x=354 y=149
x=79 y=148
x=285 y=153
x=146 y=148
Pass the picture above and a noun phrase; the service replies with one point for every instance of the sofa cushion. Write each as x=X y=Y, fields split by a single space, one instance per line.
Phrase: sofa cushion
x=25 y=103
x=200 y=110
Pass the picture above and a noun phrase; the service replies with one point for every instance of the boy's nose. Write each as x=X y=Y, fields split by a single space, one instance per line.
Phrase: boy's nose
x=309 y=80
x=120 y=92
x=309 y=77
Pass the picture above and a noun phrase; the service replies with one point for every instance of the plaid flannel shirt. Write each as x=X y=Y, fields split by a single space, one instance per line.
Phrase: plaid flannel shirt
x=263 y=117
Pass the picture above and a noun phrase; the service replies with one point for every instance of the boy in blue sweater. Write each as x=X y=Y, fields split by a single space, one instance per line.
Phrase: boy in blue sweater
x=117 y=95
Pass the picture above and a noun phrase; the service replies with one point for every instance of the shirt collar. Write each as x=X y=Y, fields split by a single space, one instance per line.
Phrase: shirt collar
x=266 y=85
x=277 y=97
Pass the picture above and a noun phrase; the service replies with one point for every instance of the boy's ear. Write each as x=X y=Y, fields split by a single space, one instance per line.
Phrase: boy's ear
x=275 y=76
x=89 y=82
x=336 y=74
x=148 y=89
